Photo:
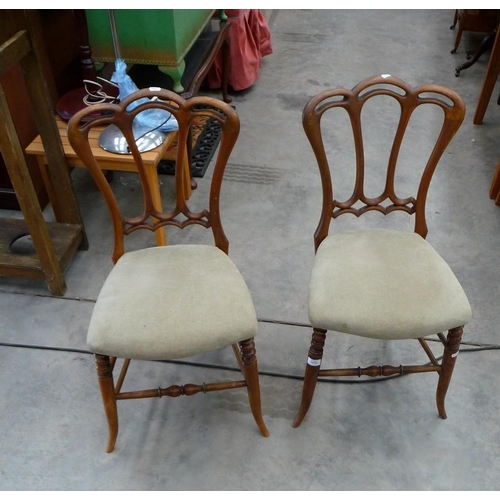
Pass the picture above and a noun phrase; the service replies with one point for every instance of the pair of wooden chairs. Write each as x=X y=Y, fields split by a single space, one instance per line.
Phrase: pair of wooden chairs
x=175 y=301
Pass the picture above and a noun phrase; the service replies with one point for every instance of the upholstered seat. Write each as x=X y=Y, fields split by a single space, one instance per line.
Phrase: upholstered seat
x=182 y=281
x=384 y=284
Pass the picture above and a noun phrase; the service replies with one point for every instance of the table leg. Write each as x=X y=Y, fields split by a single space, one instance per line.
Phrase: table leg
x=495 y=186
x=187 y=176
x=175 y=72
x=490 y=79
x=154 y=185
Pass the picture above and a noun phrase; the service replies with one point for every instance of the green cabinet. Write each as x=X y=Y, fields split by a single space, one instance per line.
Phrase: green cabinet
x=161 y=37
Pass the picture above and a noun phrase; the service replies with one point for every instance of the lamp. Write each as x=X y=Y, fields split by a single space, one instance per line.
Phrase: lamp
x=111 y=138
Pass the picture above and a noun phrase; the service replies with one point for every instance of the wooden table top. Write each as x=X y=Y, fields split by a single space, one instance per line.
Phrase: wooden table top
x=107 y=160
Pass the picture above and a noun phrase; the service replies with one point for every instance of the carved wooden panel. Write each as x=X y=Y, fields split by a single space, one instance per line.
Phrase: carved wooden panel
x=353 y=101
x=185 y=111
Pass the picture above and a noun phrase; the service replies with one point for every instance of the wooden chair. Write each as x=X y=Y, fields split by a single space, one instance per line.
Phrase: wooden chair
x=476 y=20
x=168 y=302
x=382 y=283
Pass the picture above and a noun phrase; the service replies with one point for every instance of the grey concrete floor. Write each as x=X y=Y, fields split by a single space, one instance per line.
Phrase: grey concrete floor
x=375 y=436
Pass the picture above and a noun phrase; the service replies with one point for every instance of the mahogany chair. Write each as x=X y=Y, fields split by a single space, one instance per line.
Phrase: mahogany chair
x=174 y=301
x=382 y=283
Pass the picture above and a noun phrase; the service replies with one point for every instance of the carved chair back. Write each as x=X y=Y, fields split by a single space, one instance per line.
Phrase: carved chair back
x=353 y=102
x=185 y=111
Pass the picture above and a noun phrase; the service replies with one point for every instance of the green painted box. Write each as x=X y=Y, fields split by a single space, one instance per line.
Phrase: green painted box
x=148 y=36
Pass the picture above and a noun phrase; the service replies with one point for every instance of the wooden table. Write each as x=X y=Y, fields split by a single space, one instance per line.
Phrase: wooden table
x=490 y=79
x=495 y=186
x=111 y=161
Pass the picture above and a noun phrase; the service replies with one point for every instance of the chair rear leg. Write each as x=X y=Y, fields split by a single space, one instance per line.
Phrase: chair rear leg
x=451 y=349
x=107 y=386
x=251 y=374
x=237 y=354
x=311 y=376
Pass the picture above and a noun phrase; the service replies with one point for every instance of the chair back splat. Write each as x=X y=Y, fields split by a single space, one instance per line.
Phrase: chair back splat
x=382 y=283
x=166 y=302
x=185 y=111
x=353 y=102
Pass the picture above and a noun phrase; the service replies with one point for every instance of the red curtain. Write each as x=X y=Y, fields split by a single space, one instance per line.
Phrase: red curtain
x=250 y=41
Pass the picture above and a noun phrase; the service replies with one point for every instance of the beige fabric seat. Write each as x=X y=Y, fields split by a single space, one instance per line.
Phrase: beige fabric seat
x=384 y=284
x=192 y=299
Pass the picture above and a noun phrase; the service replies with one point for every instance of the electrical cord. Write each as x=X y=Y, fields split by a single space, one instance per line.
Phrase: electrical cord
x=98 y=95
x=153 y=129
x=474 y=347
x=480 y=347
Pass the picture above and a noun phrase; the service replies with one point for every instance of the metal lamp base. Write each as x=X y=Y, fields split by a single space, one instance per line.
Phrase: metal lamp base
x=112 y=140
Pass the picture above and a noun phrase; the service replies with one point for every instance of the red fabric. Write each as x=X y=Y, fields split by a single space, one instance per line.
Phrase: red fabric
x=250 y=41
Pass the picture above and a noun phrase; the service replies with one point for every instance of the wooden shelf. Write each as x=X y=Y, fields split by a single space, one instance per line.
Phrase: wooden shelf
x=65 y=239
x=53 y=243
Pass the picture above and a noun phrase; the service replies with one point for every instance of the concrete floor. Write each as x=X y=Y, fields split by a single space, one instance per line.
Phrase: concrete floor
x=375 y=436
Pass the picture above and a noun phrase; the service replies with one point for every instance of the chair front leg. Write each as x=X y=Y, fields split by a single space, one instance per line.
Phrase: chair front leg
x=311 y=376
x=251 y=374
x=106 y=384
x=451 y=350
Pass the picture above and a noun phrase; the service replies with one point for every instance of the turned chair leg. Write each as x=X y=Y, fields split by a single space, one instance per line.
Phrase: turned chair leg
x=106 y=384
x=311 y=376
x=251 y=374
x=451 y=350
